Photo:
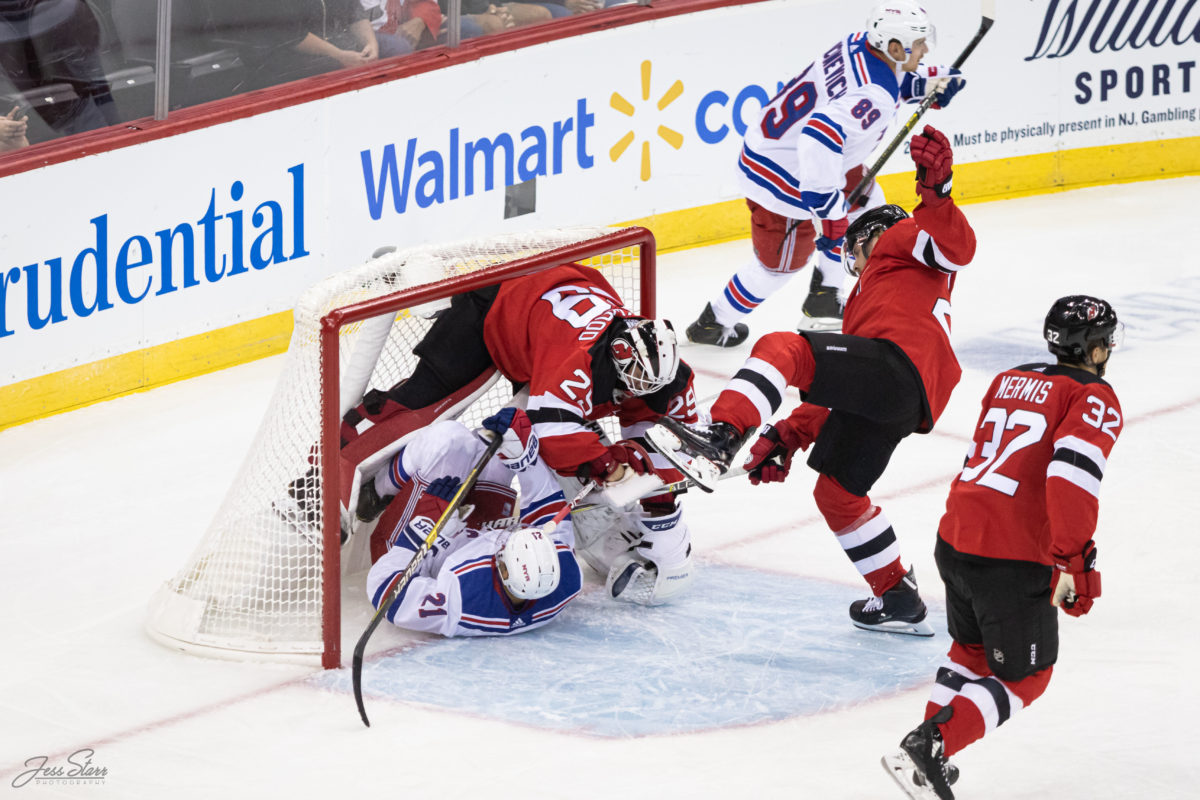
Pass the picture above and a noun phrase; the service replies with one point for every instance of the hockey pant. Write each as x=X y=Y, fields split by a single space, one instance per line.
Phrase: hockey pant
x=782 y=247
x=1005 y=645
x=854 y=440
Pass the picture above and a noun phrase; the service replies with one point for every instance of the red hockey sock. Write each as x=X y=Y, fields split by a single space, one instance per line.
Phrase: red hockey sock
x=863 y=532
x=755 y=393
x=983 y=705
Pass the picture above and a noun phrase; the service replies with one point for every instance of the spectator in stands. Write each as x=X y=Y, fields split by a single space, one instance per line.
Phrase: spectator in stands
x=12 y=131
x=56 y=42
x=402 y=26
x=481 y=17
x=293 y=39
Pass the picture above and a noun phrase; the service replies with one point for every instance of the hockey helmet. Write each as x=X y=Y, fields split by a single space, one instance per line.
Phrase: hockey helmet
x=646 y=355
x=528 y=564
x=902 y=20
x=1077 y=323
x=871 y=222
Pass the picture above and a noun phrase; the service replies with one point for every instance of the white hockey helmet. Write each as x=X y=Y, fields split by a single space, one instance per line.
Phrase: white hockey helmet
x=646 y=354
x=528 y=564
x=902 y=20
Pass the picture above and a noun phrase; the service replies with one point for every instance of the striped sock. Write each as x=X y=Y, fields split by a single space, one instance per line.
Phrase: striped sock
x=749 y=287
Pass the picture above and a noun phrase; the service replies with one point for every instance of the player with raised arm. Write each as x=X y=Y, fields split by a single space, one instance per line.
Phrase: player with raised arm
x=806 y=153
x=1015 y=543
x=889 y=375
x=565 y=335
x=488 y=573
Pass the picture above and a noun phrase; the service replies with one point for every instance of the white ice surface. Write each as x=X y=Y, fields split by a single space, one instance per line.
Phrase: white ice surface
x=99 y=506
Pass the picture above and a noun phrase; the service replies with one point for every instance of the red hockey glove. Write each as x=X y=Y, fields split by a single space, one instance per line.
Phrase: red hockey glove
x=934 y=159
x=1075 y=584
x=770 y=456
x=833 y=231
x=519 y=444
x=625 y=454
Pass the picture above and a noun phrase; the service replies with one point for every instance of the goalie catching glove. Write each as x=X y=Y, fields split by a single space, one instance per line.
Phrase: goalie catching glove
x=1075 y=584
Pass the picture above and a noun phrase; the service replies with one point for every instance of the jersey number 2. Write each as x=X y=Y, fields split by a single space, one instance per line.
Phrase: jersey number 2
x=986 y=473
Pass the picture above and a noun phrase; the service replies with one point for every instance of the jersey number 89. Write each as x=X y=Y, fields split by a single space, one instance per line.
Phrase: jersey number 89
x=788 y=107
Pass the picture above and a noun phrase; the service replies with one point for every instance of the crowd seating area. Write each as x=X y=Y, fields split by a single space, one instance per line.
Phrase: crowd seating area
x=69 y=66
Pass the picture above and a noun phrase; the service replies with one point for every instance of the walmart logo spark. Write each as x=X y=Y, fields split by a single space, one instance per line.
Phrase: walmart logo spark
x=671 y=137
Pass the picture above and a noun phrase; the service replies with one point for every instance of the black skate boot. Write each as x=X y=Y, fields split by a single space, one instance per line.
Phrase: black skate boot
x=920 y=766
x=900 y=610
x=370 y=504
x=706 y=330
x=703 y=454
x=822 y=311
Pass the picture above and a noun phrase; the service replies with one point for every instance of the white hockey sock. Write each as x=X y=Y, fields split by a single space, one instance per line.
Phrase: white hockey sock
x=746 y=291
x=830 y=267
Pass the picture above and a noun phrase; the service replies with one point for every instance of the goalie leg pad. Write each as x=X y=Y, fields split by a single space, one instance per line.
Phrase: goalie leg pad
x=632 y=579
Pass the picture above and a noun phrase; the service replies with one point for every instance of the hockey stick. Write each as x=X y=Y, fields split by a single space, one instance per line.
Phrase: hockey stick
x=384 y=604
x=985 y=24
x=673 y=487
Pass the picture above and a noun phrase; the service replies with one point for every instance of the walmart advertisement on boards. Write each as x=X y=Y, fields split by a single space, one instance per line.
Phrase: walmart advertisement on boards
x=231 y=223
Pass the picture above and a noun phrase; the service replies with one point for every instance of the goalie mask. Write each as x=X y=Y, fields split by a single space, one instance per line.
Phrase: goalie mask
x=646 y=355
x=902 y=20
x=528 y=564
x=877 y=220
x=1077 y=323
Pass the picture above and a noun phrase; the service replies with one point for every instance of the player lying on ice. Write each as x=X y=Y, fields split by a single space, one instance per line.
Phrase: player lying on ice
x=1016 y=539
x=488 y=573
x=565 y=336
x=889 y=375
x=804 y=156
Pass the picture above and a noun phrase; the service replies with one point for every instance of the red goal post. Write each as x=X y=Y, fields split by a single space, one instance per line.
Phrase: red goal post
x=266 y=580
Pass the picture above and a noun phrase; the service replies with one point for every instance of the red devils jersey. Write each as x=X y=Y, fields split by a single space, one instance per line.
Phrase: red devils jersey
x=1030 y=487
x=904 y=294
x=551 y=330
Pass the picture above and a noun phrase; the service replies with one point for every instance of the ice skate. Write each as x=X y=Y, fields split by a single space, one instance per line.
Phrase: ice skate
x=706 y=330
x=919 y=767
x=822 y=311
x=703 y=454
x=900 y=610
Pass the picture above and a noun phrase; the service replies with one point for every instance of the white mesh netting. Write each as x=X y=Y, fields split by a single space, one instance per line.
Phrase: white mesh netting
x=253 y=587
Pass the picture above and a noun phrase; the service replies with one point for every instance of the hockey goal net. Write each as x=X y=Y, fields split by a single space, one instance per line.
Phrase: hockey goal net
x=266 y=579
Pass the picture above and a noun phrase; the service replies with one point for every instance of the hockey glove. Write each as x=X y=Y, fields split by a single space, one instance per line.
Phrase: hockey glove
x=1075 y=584
x=443 y=488
x=519 y=444
x=833 y=232
x=934 y=159
x=770 y=456
x=944 y=82
x=620 y=460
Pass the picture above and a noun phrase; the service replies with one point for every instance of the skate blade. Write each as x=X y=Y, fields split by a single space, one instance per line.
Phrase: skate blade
x=922 y=628
x=902 y=770
x=697 y=468
x=819 y=324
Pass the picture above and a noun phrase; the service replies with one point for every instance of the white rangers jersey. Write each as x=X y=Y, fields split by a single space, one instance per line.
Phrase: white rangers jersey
x=823 y=123
x=456 y=590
